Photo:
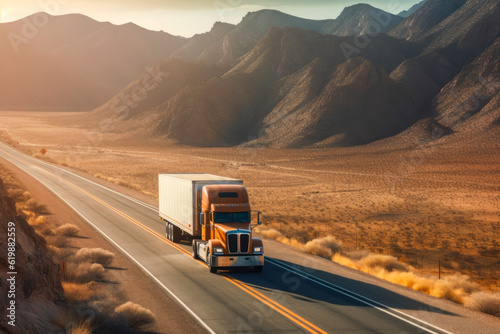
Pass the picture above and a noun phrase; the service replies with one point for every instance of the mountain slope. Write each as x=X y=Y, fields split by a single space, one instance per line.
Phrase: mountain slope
x=448 y=46
x=471 y=101
x=431 y=13
x=358 y=104
x=288 y=69
x=225 y=44
x=361 y=19
x=74 y=62
x=207 y=47
x=412 y=9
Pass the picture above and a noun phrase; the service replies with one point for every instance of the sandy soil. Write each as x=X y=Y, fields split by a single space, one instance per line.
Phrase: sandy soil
x=123 y=275
x=423 y=204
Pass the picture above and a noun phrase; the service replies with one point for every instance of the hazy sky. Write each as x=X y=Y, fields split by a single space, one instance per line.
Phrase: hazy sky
x=186 y=17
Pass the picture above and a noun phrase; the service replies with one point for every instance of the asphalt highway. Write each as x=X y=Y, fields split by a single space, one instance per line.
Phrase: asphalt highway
x=296 y=293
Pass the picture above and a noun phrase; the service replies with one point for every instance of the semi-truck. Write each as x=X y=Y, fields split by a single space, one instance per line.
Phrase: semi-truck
x=214 y=213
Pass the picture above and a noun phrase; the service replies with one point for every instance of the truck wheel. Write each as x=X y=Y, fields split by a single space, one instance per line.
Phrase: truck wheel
x=176 y=234
x=212 y=269
x=258 y=269
x=167 y=232
x=195 y=249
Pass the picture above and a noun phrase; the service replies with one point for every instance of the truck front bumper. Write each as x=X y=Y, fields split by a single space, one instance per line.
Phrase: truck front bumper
x=230 y=261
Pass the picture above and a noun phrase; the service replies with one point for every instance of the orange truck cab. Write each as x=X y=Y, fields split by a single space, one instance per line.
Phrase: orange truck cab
x=217 y=217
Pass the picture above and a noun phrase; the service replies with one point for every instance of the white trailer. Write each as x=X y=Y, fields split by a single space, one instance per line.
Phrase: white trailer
x=180 y=201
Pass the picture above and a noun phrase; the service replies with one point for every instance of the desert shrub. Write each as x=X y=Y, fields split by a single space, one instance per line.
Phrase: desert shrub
x=454 y=288
x=84 y=327
x=484 y=302
x=386 y=262
x=18 y=194
x=358 y=254
x=60 y=254
x=135 y=315
x=324 y=247
x=35 y=207
x=68 y=230
x=271 y=233
x=58 y=241
x=79 y=292
x=35 y=221
x=45 y=231
x=95 y=255
x=463 y=282
x=84 y=272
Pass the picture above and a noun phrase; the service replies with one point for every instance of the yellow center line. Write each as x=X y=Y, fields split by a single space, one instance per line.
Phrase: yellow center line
x=276 y=306
x=298 y=320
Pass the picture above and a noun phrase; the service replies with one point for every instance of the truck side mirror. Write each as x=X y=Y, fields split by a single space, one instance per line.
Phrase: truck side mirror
x=259 y=216
x=202 y=218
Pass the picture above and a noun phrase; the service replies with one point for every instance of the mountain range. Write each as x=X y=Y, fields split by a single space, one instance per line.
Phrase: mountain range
x=72 y=62
x=275 y=79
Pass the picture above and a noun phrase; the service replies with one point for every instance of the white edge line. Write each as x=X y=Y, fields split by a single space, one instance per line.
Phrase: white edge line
x=149 y=206
x=128 y=255
x=355 y=296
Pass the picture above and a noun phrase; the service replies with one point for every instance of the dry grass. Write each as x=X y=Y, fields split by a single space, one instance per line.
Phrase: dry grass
x=455 y=288
x=75 y=292
x=67 y=230
x=79 y=282
x=84 y=327
x=95 y=255
x=484 y=302
x=135 y=315
x=36 y=221
x=385 y=262
x=324 y=247
x=60 y=254
x=56 y=240
x=33 y=206
x=85 y=272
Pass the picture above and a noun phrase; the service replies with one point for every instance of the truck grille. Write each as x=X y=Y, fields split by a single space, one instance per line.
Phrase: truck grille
x=244 y=241
x=232 y=241
x=238 y=243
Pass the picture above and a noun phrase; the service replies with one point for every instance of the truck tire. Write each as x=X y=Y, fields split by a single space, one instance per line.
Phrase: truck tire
x=195 y=249
x=212 y=269
x=176 y=234
x=258 y=269
x=167 y=230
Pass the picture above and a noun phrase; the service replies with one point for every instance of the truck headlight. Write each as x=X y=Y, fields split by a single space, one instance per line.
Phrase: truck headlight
x=218 y=250
x=257 y=249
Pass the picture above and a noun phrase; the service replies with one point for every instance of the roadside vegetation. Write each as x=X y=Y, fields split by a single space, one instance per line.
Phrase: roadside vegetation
x=457 y=288
x=93 y=303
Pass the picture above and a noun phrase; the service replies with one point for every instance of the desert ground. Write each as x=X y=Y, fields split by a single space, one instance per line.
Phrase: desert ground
x=423 y=203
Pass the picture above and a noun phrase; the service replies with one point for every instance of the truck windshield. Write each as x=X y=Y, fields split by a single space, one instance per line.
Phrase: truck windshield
x=232 y=217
